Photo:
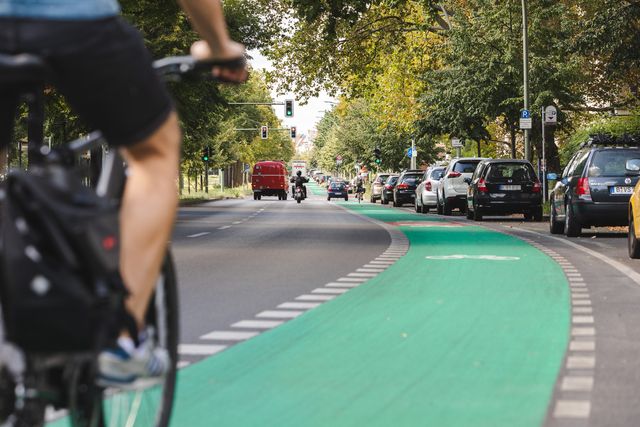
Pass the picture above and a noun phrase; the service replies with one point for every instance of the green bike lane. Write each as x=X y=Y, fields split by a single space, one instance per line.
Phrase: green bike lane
x=469 y=328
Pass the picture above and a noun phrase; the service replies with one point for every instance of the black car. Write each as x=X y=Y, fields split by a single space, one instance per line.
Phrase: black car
x=504 y=187
x=405 y=189
x=337 y=190
x=387 y=189
x=595 y=187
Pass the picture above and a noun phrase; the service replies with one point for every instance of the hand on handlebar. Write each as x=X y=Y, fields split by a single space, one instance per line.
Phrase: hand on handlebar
x=231 y=51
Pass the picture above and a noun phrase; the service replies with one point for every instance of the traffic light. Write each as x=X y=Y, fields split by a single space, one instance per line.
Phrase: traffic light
x=288 y=108
x=293 y=131
x=378 y=156
x=264 y=132
x=205 y=154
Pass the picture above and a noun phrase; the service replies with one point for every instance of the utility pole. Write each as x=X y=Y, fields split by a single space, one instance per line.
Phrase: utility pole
x=525 y=73
x=413 y=153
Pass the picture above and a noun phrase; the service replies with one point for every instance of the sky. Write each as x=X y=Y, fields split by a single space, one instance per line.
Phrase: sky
x=306 y=116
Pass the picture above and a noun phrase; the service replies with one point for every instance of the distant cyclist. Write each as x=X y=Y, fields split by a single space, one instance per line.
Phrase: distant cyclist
x=101 y=66
x=359 y=187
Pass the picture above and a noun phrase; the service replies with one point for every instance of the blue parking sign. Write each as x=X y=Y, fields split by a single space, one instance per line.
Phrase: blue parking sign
x=525 y=114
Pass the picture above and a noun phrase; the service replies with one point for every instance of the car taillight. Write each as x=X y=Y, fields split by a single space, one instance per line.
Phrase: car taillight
x=454 y=175
x=583 y=191
x=388 y=187
x=427 y=186
x=482 y=186
x=536 y=187
x=402 y=186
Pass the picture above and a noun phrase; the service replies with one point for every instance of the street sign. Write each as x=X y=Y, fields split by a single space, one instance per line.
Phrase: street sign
x=550 y=115
x=526 y=123
x=525 y=114
x=552 y=176
x=456 y=143
x=338 y=159
x=409 y=152
x=414 y=152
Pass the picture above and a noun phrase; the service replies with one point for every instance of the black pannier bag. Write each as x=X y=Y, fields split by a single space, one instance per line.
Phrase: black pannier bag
x=59 y=249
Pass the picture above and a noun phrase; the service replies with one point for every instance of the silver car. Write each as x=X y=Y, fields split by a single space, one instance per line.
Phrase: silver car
x=452 y=192
x=377 y=185
x=427 y=191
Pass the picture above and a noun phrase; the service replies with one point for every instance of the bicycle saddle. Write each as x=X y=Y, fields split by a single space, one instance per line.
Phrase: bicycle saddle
x=22 y=68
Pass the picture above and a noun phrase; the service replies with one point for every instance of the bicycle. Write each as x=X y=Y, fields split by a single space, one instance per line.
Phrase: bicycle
x=360 y=194
x=30 y=381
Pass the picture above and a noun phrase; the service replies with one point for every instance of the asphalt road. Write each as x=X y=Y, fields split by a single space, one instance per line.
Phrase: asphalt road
x=238 y=258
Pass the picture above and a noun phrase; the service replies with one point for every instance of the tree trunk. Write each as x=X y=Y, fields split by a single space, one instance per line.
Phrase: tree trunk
x=512 y=131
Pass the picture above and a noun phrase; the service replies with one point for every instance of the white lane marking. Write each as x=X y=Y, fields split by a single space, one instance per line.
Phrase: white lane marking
x=362 y=274
x=257 y=324
x=627 y=271
x=352 y=279
x=576 y=279
x=577 y=285
x=329 y=291
x=583 y=332
x=582 y=319
x=369 y=270
x=375 y=266
x=224 y=227
x=573 y=274
x=582 y=345
x=572 y=409
x=278 y=314
x=299 y=305
x=582 y=310
x=482 y=257
x=236 y=222
x=379 y=261
x=570 y=270
x=581 y=302
x=575 y=295
x=204 y=233
x=183 y=364
x=315 y=297
x=228 y=335
x=199 y=349
x=577 y=384
x=581 y=362
x=342 y=284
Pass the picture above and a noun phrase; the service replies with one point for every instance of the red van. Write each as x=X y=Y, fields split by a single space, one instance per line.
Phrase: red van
x=270 y=178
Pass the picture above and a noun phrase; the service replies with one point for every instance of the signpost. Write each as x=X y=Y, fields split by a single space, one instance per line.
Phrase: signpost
x=526 y=122
x=457 y=144
x=549 y=118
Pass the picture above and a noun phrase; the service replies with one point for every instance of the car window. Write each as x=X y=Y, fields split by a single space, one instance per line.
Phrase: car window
x=611 y=163
x=478 y=172
x=437 y=173
x=392 y=180
x=514 y=171
x=578 y=162
x=466 y=166
x=410 y=179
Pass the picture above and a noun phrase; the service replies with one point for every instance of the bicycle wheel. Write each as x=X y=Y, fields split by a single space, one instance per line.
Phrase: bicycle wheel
x=143 y=404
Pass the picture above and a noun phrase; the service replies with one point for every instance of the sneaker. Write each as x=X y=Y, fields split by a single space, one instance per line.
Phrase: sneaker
x=125 y=364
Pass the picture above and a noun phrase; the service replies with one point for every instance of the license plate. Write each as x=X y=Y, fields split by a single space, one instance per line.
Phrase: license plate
x=621 y=190
x=338 y=194
x=510 y=187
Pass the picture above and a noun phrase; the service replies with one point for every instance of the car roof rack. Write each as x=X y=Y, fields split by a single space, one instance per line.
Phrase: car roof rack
x=632 y=140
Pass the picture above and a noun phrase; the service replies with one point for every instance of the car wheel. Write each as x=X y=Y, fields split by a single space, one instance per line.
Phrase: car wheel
x=255 y=196
x=469 y=214
x=477 y=214
x=632 y=239
x=417 y=207
x=555 y=227
x=346 y=198
x=572 y=228
x=438 y=207
x=328 y=199
x=372 y=200
x=446 y=207
x=395 y=205
x=425 y=209
x=537 y=214
x=384 y=201
x=528 y=216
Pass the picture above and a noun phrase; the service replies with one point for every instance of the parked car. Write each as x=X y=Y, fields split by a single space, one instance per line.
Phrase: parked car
x=337 y=190
x=387 y=189
x=270 y=178
x=633 y=168
x=377 y=185
x=405 y=189
x=426 y=193
x=504 y=187
x=595 y=187
x=452 y=191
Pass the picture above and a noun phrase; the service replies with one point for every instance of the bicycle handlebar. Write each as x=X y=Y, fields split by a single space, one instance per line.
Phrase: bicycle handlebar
x=173 y=68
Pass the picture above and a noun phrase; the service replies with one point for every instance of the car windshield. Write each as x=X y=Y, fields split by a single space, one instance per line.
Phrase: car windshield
x=382 y=179
x=436 y=173
x=410 y=179
x=466 y=166
x=611 y=163
x=336 y=185
x=514 y=171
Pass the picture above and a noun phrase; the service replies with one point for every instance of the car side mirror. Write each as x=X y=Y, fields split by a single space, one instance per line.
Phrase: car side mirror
x=467 y=180
x=632 y=167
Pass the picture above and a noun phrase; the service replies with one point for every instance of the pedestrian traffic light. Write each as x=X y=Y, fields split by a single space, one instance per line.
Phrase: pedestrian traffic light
x=264 y=132
x=293 y=131
x=377 y=153
x=288 y=108
x=205 y=154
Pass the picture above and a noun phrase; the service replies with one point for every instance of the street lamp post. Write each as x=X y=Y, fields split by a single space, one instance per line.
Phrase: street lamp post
x=525 y=73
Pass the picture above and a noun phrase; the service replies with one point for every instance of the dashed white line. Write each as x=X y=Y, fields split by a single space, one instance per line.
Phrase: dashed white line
x=329 y=291
x=583 y=332
x=204 y=233
x=577 y=383
x=299 y=305
x=228 y=335
x=342 y=284
x=224 y=227
x=581 y=362
x=582 y=319
x=352 y=279
x=199 y=349
x=369 y=270
x=362 y=274
x=315 y=297
x=582 y=346
x=279 y=314
x=572 y=409
x=257 y=324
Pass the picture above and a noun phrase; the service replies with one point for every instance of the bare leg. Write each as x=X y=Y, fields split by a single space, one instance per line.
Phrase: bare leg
x=148 y=212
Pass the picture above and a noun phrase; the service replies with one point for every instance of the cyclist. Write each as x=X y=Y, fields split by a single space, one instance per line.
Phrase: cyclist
x=359 y=187
x=99 y=63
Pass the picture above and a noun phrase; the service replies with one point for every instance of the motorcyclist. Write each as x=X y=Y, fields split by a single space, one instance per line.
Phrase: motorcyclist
x=299 y=181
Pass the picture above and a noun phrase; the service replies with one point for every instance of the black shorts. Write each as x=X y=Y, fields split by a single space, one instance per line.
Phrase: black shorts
x=100 y=66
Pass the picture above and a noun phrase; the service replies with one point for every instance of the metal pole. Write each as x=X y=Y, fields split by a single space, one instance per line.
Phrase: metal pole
x=413 y=156
x=544 y=159
x=458 y=152
x=525 y=73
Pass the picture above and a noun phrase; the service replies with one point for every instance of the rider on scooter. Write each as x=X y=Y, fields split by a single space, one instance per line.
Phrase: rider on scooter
x=299 y=181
